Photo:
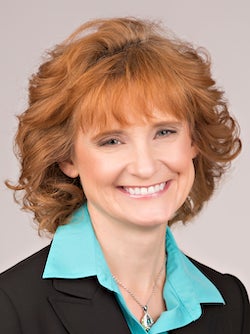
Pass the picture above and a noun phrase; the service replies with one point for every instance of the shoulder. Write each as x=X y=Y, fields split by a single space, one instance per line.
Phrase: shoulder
x=23 y=292
x=28 y=270
x=237 y=307
x=229 y=286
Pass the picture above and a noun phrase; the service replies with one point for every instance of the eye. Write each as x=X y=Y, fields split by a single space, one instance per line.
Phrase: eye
x=165 y=132
x=110 y=142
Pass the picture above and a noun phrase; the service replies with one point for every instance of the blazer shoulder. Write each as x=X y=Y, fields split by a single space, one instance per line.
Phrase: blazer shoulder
x=32 y=266
x=237 y=307
x=227 y=284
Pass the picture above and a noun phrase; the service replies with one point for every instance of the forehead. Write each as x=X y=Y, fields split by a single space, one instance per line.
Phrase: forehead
x=117 y=108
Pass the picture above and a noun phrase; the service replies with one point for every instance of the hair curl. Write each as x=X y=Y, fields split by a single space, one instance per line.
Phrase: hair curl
x=86 y=80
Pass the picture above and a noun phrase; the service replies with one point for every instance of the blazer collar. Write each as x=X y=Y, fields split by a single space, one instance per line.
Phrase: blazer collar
x=83 y=305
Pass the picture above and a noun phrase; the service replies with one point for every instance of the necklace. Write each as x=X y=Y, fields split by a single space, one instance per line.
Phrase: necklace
x=146 y=320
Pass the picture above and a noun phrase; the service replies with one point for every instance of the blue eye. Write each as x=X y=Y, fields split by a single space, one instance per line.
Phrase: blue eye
x=165 y=132
x=110 y=142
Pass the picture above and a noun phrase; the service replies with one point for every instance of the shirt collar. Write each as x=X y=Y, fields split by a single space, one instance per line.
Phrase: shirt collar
x=186 y=288
x=181 y=272
x=76 y=253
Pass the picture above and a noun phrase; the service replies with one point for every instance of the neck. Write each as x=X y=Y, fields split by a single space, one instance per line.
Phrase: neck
x=135 y=254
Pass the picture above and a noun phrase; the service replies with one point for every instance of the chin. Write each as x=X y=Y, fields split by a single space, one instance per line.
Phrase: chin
x=151 y=220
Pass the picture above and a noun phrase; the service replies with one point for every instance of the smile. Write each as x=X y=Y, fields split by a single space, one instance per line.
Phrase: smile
x=143 y=191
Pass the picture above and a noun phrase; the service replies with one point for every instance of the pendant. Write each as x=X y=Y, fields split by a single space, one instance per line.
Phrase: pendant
x=146 y=321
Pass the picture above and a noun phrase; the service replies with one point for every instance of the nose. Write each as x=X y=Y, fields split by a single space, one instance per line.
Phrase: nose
x=143 y=162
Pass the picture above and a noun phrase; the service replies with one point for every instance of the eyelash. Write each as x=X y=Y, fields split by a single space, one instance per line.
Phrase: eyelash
x=165 y=132
x=110 y=142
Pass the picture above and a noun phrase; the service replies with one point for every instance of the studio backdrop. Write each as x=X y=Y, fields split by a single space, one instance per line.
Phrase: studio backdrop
x=219 y=236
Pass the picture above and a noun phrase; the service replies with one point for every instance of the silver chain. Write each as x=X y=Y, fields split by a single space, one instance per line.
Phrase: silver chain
x=144 y=307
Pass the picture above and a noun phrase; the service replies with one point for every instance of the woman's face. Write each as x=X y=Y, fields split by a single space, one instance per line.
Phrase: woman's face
x=140 y=174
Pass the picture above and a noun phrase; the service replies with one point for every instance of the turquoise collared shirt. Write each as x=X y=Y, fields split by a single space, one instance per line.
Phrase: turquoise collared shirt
x=76 y=253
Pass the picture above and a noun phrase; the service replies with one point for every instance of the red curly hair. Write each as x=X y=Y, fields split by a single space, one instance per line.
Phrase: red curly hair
x=84 y=82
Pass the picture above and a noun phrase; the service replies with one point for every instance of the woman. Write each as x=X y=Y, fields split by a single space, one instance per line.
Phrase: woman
x=125 y=134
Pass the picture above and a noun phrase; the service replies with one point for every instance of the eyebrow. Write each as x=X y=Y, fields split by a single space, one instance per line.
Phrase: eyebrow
x=175 y=124
x=108 y=133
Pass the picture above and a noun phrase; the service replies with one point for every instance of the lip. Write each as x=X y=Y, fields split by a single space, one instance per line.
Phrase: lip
x=154 y=190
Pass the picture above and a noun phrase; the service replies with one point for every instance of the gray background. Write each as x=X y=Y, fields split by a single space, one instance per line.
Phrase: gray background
x=220 y=235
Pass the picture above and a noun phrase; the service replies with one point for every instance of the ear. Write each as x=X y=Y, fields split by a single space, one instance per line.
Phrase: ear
x=69 y=168
x=195 y=150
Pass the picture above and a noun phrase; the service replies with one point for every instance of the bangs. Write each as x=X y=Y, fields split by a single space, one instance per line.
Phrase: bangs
x=130 y=91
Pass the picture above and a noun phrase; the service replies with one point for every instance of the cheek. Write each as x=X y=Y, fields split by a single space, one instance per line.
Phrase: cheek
x=90 y=172
x=96 y=173
x=180 y=158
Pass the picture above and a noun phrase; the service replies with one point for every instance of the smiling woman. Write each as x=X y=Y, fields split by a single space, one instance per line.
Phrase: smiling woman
x=116 y=73
x=125 y=134
x=141 y=174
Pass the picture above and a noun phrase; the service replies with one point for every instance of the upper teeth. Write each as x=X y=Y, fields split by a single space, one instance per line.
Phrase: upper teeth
x=145 y=190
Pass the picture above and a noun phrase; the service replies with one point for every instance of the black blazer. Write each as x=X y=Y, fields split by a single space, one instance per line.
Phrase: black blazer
x=31 y=305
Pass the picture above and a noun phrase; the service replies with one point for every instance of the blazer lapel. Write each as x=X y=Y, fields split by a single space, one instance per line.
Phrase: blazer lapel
x=84 y=306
